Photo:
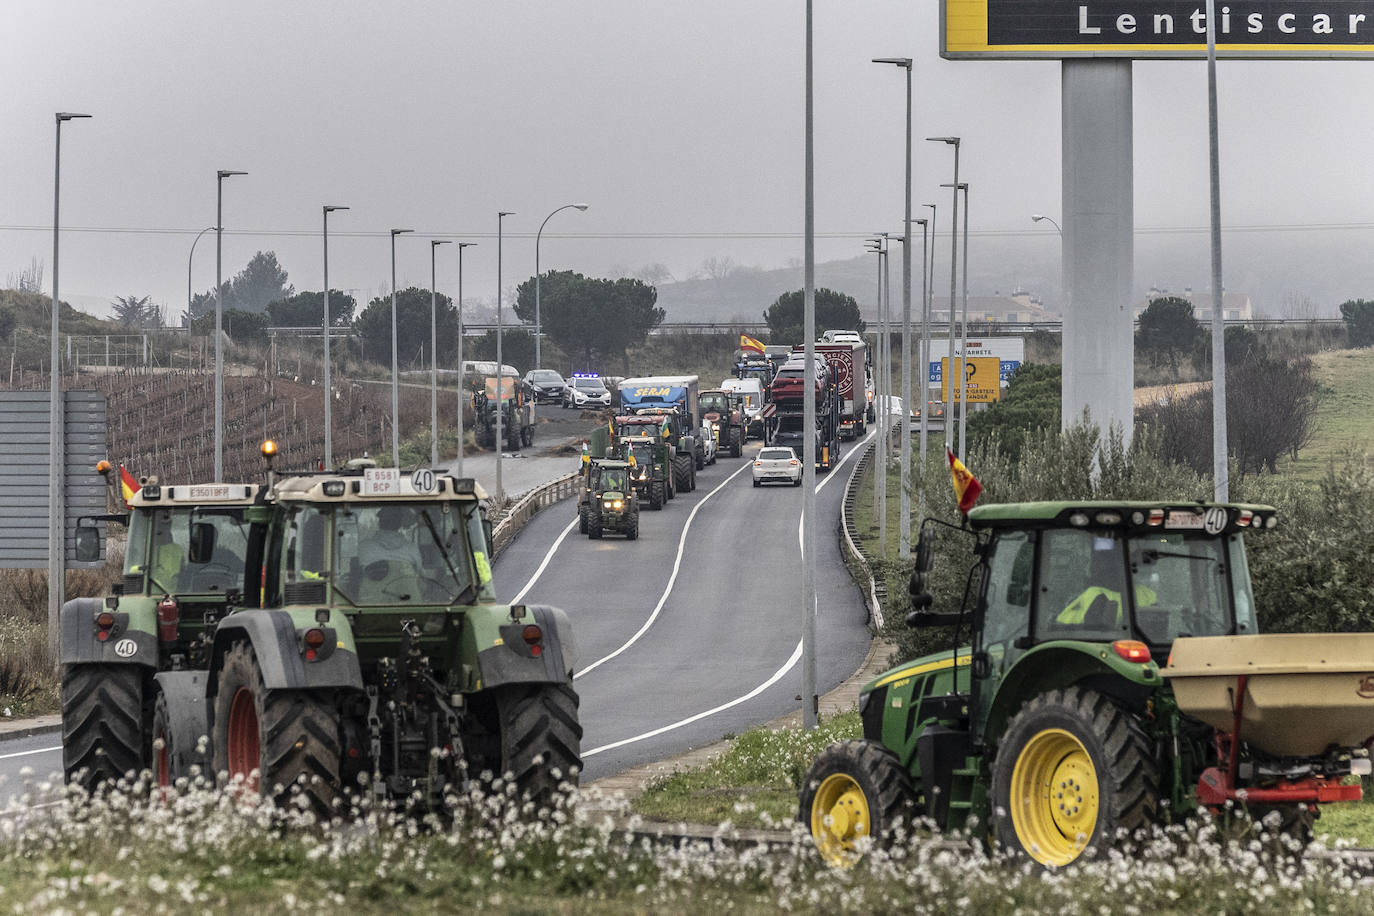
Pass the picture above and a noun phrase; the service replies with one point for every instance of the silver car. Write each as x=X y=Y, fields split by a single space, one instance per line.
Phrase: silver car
x=777 y=464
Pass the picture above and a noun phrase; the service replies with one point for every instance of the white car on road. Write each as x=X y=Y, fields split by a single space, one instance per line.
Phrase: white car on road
x=777 y=464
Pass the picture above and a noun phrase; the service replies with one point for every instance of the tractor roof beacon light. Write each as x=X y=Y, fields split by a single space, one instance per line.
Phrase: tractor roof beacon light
x=269 y=452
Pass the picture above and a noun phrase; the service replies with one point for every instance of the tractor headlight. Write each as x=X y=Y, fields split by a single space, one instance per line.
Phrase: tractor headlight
x=616 y=504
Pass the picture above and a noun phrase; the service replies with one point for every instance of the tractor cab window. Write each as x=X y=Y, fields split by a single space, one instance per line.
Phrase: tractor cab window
x=1083 y=581
x=1181 y=584
x=612 y=479
x=305 y=546
x=136 y=553
x=403 y=553
x=1007 y=614
x=220 y=537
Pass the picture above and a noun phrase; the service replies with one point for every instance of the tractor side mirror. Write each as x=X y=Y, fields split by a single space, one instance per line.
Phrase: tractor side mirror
x=925 y=551
x=202 y=546
x=487 y=533
x=87 y=543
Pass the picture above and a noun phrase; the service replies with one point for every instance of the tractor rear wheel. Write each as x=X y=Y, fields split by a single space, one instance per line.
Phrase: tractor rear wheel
x=582 y=519
x=656 y=495
x=1073 y=769
x=682 y=473
x=541 y=738
x=736 y=435
x=102 y=723
x=289 y=737
x=855 y=789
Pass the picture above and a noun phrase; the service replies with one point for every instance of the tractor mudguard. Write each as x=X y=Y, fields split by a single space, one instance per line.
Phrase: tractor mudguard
x=1064 y=663
x=184 y=693
x=132 y=639
x=272 y=635
x=495 y=637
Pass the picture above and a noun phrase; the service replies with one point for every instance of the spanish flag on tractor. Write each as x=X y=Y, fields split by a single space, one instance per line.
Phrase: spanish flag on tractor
x=127 y=485
x=966 y=486
x=748 y=343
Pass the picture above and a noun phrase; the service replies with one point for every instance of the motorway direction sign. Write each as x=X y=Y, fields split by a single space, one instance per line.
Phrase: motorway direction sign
x=1010 y=351
x=1260 y=29
x=25 y=454
x=984 y=385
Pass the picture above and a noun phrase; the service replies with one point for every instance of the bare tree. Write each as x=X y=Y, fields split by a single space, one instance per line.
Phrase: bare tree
x=719 y=268
x=29 y=280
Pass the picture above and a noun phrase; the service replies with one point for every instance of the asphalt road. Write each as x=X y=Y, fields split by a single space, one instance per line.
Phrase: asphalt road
x=687 y=634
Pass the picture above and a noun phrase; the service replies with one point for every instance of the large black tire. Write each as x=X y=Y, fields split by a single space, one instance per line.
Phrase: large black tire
x=632 y=527
x=700 y=454
x=1073 y=771
x=855 y=789
x=290 y=736
x=692 y=478
x=102 y=723
x=541 y=738
x=682 y=473
x=736 y=441
x=582 y=519
x=656 y=495
x=594 y=525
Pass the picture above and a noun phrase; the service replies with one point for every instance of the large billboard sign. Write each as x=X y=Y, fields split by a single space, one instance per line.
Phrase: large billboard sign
x=1155 y=28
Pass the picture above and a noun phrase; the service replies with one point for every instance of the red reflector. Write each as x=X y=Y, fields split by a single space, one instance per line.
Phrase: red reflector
x=104 y=620
x=532 y=634
x=102 y=635
x=536 y=651
x=1132 y=650
x=310 y=655
x=314 y=638
x=353 y=753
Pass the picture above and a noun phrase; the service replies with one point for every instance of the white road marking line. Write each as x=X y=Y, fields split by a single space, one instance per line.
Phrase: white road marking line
x=773 y=679
x=41 y=750
x=548 y=557
x=777 y=676
x=677 y=564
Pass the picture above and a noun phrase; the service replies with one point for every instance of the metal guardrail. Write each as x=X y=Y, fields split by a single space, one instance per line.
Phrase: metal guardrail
x=850 y=546
x=541 y=497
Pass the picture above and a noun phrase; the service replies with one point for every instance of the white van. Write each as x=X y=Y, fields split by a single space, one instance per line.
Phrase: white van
x=752 y=390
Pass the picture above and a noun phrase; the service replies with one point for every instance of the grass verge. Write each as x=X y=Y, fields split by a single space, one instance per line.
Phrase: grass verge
x=1343 y=420
x=754 y=783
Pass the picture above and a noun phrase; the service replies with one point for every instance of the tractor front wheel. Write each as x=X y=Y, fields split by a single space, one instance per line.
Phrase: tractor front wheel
x=656 y=495
x=594 y=525
x=541 y=738
x=854 y=790
x=1073 y=770
x=632 y=527
x=102 y=723
x=278 y=741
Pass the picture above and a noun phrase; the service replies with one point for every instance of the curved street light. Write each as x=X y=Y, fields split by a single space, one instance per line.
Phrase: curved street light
x=538 y=326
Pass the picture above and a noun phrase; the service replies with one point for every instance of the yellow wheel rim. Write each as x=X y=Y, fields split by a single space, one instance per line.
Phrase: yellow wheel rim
x=839 y=819
x=1054 y=797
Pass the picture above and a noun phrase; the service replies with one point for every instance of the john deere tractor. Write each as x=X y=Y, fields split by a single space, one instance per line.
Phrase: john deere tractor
x=1113 y=679
x=608 y=502
x=643 y=437
x=380 y=661
x=133 y=663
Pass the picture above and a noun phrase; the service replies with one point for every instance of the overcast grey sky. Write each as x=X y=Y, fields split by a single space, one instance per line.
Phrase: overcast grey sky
x=679 y=123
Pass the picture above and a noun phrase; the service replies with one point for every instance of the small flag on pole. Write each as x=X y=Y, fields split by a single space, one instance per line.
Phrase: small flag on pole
x=748 y=343
x=127 y=485
x=966 y=486
x=586 y=454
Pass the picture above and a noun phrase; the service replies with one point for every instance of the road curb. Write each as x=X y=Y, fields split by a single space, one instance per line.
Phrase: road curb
x=27 y=728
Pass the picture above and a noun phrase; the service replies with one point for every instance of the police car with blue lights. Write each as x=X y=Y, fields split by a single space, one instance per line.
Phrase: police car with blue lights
x=586 y=389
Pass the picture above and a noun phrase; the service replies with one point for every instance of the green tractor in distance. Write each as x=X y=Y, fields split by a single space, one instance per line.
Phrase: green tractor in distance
x=133 y=663
x=643 y=437
x=517 y=414
x=723 y=413
x=380 y=661
x=607 y=501
x=1114 y=679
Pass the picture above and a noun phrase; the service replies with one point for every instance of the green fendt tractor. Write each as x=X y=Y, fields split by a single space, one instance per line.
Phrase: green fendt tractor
x=380 y=661
x=517 y=414
x=1114 y=679
x=607 y=501
x=133 y=663
x=646 y=438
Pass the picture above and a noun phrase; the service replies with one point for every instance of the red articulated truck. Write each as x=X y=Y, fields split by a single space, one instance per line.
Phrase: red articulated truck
x=850 y=362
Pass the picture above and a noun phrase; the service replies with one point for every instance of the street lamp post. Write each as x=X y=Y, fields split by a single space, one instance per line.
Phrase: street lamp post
x=963 y=326
x=810 y=700
x=1063 y=285
x=904 y=539
x=57 y=498
x=538 y=326
x=219 y=319
x=189 y=259
x=878 y=245
x=928 y=282
x=500 y=378
x=921 y=486
x=395 y=368
x=328 y=389
x=434 y=357
x=461 y=399
x=953 y=279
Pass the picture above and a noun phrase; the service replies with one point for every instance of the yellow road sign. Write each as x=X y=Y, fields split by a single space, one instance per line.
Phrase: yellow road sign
x=983 y=379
